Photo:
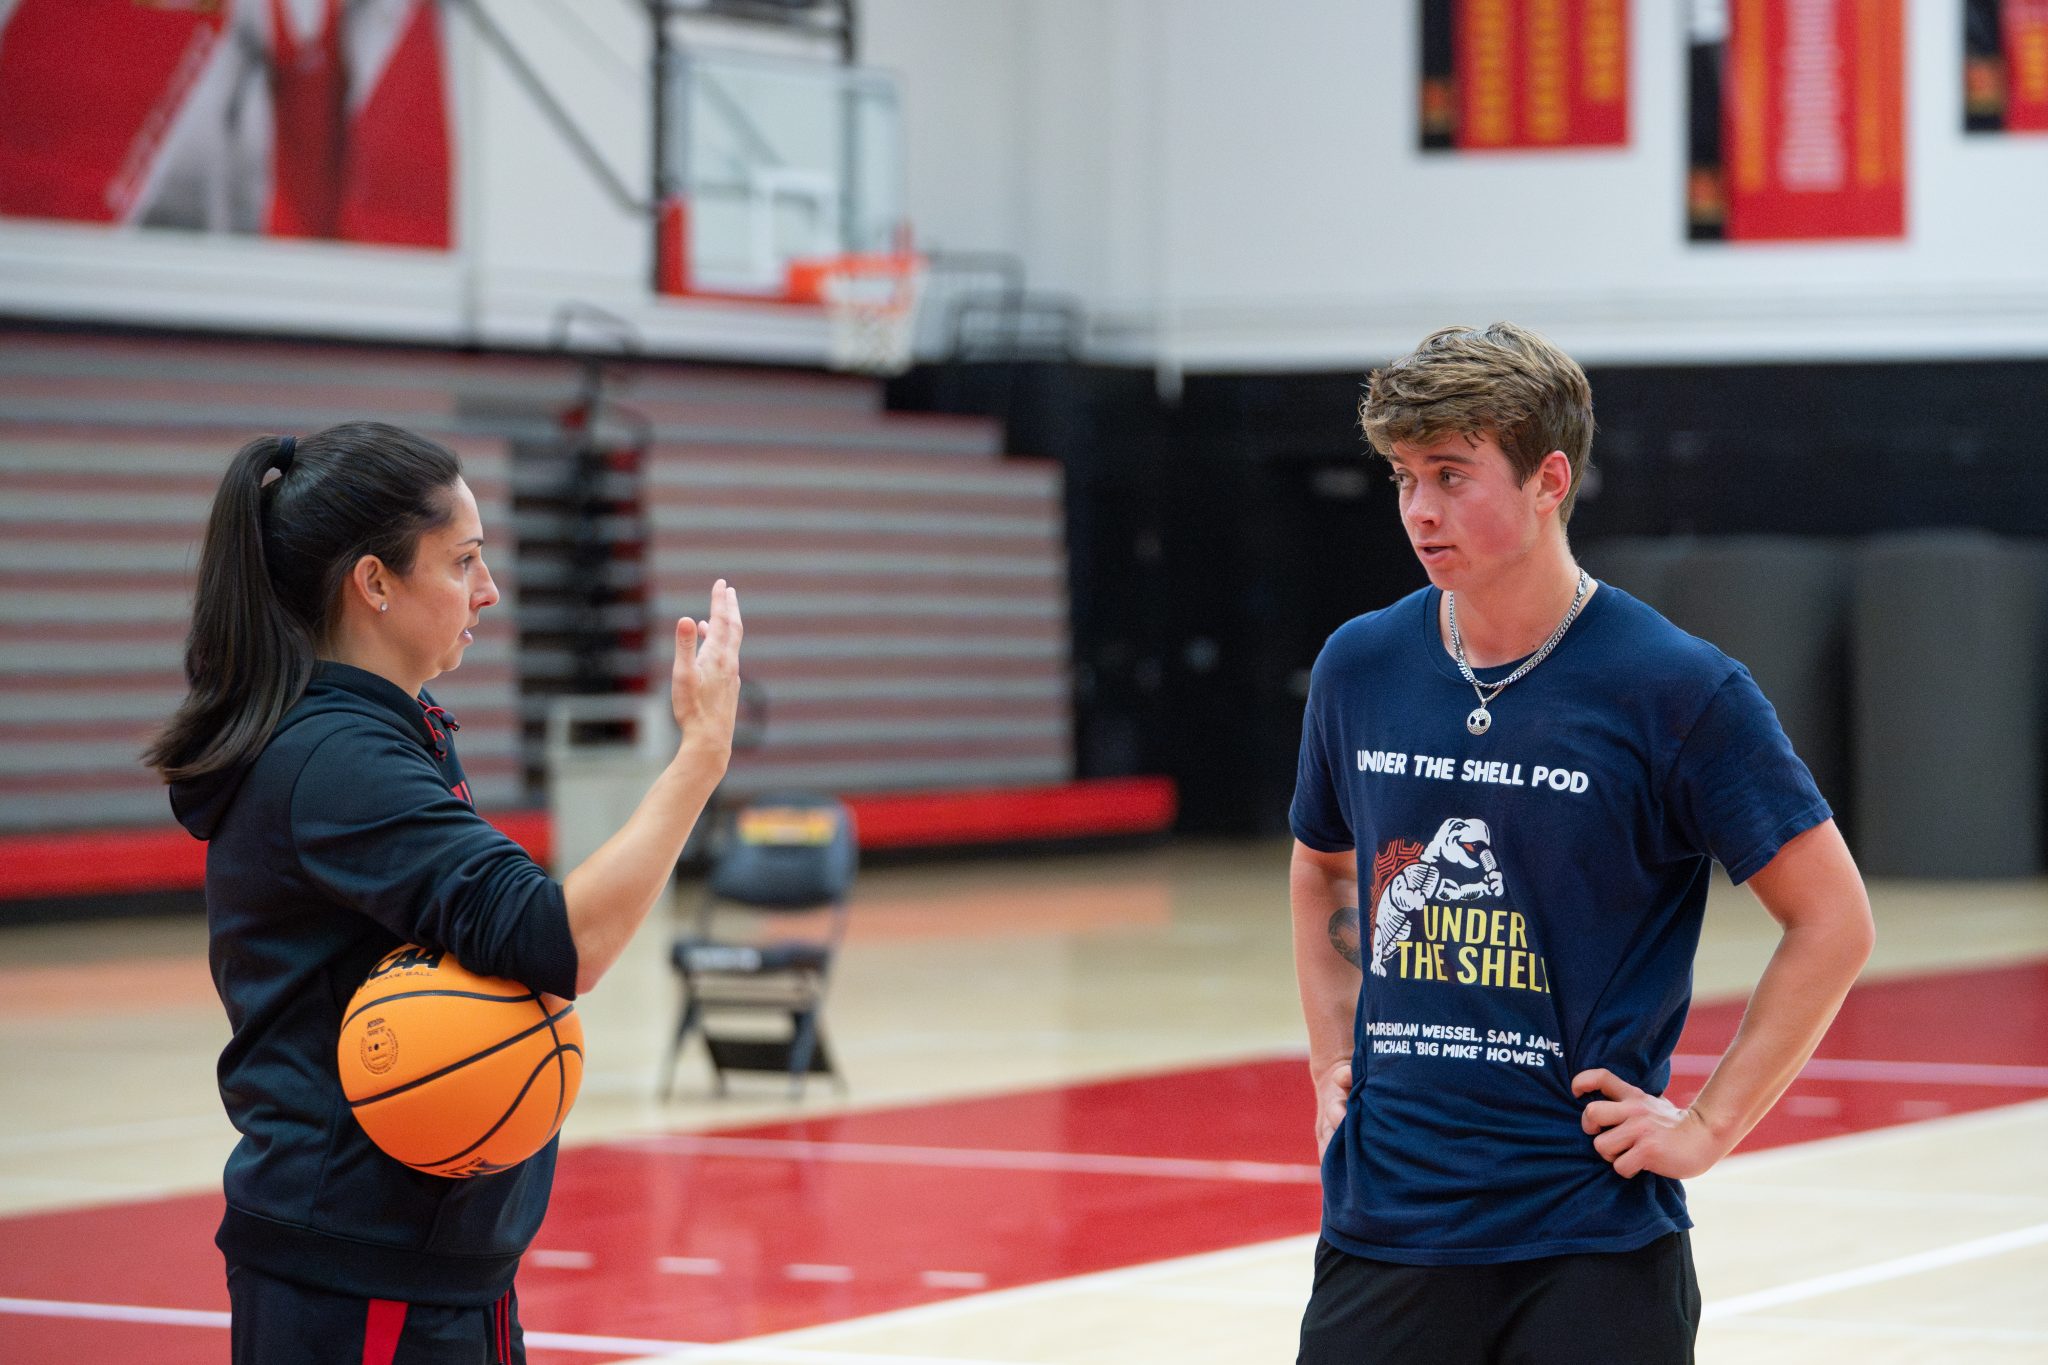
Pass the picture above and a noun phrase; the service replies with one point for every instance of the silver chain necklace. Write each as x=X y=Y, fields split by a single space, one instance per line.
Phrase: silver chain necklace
x=1481 y=719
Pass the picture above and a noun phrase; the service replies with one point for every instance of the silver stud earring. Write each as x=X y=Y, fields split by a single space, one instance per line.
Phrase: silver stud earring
x=383 y=606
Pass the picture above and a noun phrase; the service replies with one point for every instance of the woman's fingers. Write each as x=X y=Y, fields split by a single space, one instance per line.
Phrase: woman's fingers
x=724 y=627
x=721 y=630
x=686 y=649
x=682 y=679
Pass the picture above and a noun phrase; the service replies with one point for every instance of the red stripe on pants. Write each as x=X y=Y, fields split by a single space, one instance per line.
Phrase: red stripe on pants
x=381 y=1330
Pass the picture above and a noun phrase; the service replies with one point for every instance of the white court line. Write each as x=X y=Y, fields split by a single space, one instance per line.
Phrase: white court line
x=1099 y=1281
x=761 y=1352
x=1947 y=1127
x=1142 y=1275
x=561 y=1260
x=113 y=1312
x=1890 y=1331
x=690 y=1265
x=1908 y=1073
x=974 y=1158
x=1862 y=1198
x=955 y=1279
x=766 y=1353
x=1895 y=1269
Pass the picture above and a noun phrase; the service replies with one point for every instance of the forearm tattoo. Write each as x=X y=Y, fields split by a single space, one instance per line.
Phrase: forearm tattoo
x=1344 y=935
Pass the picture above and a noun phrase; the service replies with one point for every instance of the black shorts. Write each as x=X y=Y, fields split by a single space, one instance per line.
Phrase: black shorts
x=276 y=1322
x=1640 y=1307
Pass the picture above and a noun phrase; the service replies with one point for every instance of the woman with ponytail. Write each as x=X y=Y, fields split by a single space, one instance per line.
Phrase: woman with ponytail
x=340 y=573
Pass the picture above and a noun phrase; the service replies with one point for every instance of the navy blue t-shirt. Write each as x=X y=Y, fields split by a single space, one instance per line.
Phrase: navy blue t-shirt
x=1529 y=902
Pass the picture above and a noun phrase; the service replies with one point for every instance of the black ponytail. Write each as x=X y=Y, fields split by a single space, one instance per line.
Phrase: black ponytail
x=276 y=555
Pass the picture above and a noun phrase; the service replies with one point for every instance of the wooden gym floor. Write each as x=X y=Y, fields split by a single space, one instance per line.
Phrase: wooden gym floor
x=1076 y=1131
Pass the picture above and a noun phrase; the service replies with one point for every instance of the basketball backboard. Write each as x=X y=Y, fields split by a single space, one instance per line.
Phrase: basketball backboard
x=771 y=162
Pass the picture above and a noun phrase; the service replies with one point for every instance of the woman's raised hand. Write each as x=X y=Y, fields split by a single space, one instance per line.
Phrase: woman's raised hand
x=704 y=688
x=610 y=892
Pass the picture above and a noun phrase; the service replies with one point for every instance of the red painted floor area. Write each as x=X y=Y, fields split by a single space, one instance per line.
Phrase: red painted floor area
x=958 y=1191
x=1902 y=1050
x=708 y=1237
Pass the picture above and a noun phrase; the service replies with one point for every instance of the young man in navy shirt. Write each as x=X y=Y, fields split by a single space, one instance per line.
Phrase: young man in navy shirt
x=1512 y=785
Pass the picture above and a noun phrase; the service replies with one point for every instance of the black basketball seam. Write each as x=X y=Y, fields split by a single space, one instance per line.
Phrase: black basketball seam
x=418 y=1081
x=510 y=1109
x=414 y=995
x=562 y=1082
x=562 y=1087
x=561 y=1073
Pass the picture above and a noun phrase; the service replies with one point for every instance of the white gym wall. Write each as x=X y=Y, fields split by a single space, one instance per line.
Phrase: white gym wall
x=1236 y=185
x=1226 y=184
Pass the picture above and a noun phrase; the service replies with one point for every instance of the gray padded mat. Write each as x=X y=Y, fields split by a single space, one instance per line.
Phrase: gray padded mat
x=1640 y=566
x=1776 y=604
x=1947 y=676
x=1779 y=605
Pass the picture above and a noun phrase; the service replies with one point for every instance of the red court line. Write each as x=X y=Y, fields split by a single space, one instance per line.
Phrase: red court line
x=709 y=1237
x=1990 y=1017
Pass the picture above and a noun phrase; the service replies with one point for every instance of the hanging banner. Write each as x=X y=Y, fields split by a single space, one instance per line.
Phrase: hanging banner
x=1798 y=120
x=2005 y=66
x=1508 y=75
x=284 y=118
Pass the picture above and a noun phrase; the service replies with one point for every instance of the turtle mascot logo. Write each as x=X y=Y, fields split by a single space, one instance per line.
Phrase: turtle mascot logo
x=1457 y=865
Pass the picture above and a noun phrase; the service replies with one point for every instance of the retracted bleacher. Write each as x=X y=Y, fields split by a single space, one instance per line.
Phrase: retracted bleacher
x=904 y=585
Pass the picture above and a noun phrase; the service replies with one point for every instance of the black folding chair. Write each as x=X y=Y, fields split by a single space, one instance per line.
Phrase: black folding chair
x=787 y=862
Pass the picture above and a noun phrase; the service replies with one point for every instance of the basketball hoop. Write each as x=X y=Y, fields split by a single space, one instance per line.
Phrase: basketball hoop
x=870 y=301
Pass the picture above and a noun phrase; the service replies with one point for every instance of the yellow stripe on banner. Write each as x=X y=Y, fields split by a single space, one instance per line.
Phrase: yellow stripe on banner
x=1546 y=74
x=1749 y=85
x=2029 y=55
x=1602 y=52
x=1490 y=29
x=1876 y=81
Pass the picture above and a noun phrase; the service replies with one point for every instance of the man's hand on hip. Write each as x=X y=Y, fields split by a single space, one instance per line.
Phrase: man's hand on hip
x=1333 y=1097
x=1637 y=1131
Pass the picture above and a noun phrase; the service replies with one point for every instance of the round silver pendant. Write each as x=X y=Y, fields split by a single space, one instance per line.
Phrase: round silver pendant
x=1480 y=721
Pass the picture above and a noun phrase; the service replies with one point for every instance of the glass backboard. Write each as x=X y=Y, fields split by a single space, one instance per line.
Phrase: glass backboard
x=772 y=161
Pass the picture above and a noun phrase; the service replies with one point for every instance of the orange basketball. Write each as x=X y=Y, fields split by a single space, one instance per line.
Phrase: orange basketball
x=453 y=1073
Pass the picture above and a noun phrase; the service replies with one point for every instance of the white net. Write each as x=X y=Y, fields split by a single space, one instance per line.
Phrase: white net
x=871 y=308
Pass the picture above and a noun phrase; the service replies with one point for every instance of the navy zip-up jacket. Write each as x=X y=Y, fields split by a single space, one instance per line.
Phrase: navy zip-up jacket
x=351 y=834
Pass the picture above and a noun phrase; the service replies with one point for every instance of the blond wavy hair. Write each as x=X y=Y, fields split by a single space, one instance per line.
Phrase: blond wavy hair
x=1505 y=382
